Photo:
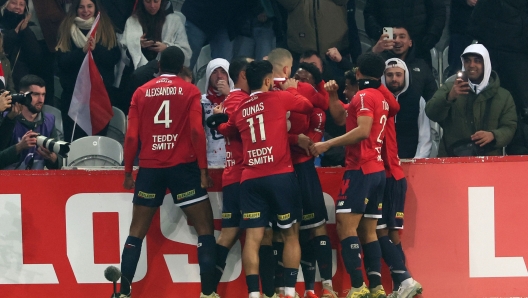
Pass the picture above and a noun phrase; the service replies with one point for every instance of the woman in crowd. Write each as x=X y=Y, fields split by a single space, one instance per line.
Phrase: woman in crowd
x=72 y=48
x=20 y=43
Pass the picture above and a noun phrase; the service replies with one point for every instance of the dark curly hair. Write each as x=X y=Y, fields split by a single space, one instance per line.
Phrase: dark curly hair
x=371 y=65
x=312 y=69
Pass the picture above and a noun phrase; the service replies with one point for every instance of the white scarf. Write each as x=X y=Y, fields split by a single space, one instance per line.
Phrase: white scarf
x=76 y=34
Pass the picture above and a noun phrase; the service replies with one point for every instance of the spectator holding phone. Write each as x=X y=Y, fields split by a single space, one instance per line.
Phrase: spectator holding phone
x=151 y=29
x=478 y=115
x=72 y=48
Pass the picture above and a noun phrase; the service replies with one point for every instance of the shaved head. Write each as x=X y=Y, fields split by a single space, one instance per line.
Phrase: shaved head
x=282 y=61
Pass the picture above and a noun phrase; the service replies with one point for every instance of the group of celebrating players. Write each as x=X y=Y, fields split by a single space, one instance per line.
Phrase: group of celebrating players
x=273 y=127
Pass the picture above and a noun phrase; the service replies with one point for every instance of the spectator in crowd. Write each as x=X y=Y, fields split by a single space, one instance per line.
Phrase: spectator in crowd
x=459 y=37
x=211 y=22
x=501 y=26
x=7 y=79
x=256 y=36
x=30 y=118
x=353 y=35
x=43 y=19
x=425 y=20
x=119 y=11
x=218 y=86
x=72 y=48
x=402 y=46
x=478 y=116
x=316 y=27
x=413 y=129
x=11 y=154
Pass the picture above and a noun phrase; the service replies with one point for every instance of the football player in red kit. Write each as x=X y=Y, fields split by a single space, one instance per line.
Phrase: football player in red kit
x=359 y=203
x=269 y=186
x=166 y=118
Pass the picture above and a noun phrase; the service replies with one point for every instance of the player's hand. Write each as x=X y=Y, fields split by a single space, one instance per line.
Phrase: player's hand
x=319 y=148
x=129 y=182
x=28 y=140
x=206 y=180
x=334 y=55
x=289 y=83
x=5 y=101
x=145 y=43
x=219 y=109
x=383 y=44
x=158 y=47
x=482 y=137
x=459 y=88
x=46 y=154
x=331 y=86
x=223 y=87
x=304 y=142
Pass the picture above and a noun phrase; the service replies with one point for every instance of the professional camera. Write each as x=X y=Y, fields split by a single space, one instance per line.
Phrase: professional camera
x=59 y=147
x=21 y=98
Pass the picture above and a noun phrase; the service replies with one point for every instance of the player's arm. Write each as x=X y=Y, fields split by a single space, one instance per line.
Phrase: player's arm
x=198 y=140
x=131 y=142
x=335 y=106
x=228 y=129
x=293 y=100
x=356 y=135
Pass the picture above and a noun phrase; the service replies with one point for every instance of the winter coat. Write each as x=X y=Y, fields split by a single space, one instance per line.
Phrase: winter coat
x=8 y=75
x=213 y=15
x=425 y=19
x=460 y=14
x=316 y=25
x=501 y=24
x=453 y=116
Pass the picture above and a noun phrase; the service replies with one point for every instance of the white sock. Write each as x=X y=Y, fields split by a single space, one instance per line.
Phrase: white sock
x=327 y=283
x=306 y=292
x=281 y=290
x=254 y=295
x=289 y=291
x=408 y=282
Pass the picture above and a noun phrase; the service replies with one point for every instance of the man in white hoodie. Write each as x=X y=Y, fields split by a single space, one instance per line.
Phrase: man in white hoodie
x=217 y=87
x=413 y=129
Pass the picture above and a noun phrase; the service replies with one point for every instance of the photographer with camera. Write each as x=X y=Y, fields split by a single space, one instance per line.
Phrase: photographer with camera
x=24 y=122
x=478 y=115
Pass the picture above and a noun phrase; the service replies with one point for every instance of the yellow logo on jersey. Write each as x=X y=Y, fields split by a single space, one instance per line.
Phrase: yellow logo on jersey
x=399 y=215
x=283 y=216
x=184 y=195
x=251 y=215
x=145 y=195
x=308 y=216
x=226 y=215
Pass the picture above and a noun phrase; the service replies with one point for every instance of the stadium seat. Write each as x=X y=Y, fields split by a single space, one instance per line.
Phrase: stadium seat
x=436 y=65
x=118 y=126
x=58 y=120
x=95 y=151
x=445 y=64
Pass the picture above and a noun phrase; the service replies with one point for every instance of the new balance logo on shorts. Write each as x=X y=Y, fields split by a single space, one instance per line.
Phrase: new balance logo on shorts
x=341 y=203
x=199 y=244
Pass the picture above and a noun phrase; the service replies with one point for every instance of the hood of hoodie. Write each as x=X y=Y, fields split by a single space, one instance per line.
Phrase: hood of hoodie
x=406 y=70
x=214 y=64
x=482 y=51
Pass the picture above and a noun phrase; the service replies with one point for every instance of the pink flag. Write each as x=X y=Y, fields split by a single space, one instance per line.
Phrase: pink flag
x=90 y=107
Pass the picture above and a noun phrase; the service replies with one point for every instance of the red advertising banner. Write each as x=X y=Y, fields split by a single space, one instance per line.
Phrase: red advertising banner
x=59 y=230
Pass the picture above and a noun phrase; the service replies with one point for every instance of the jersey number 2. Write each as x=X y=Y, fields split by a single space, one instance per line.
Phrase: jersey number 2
x=167 y=121
x=383 y=121
x=252 y=129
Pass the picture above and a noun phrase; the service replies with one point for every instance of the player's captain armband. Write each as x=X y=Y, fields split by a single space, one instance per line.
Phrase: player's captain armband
x=215 y=120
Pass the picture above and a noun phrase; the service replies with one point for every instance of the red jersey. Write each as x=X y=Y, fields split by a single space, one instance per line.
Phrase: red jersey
x=166 y=117
x=389 y=152
x=298 y=123
x=261 y=121
x=233 y=144
x=374 y=103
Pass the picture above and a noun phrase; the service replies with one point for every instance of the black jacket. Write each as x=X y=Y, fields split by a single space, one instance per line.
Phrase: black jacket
x=459 y=16
x=424 y=18
x=212 y=15
x=501 y=24
x=422 y=78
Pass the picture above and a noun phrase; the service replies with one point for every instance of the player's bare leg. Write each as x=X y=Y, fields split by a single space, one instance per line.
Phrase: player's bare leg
x=201 y=217
x=347 y=225
x=372 y=255
x=141 y=220
x=250 y=259
x=291 y=258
